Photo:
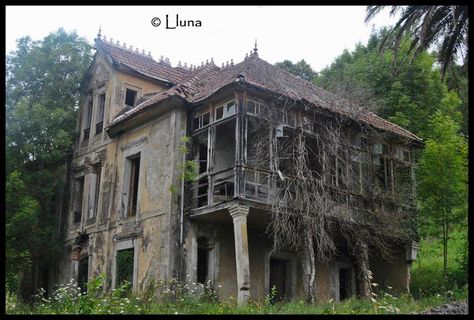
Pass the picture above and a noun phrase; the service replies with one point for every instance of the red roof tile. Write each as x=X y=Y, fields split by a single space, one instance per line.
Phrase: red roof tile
x=141 y=63
x=205 y=81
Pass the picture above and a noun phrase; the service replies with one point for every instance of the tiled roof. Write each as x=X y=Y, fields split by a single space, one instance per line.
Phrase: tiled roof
x=141 y=62
x=205 y=81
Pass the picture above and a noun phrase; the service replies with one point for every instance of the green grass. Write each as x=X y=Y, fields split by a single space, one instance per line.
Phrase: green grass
x=427 y=271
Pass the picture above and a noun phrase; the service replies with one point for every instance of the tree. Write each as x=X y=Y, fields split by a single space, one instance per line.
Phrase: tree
x=426 y=25
x=42 y=91
x=443 y=178
x=300 y=69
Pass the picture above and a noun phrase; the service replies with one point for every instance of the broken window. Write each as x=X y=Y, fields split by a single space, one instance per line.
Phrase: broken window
x=381 y=163
x=201 y=120
x=100 y=116
x=200 y=150
x=83 y=274
x=253 y=107
x=88 y=117
x=97 y=189
x=78 y=198
x=314 y=157
x=134 y=163
x=224 y=148
x=256 y=184
x=288 y=118
x=225 y=110
x=200 y=154
x=258 y=143
x=124 y=267
x=203 y=255
x=130 y=97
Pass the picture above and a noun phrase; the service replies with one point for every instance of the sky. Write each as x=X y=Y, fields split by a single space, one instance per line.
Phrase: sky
x=317 y=34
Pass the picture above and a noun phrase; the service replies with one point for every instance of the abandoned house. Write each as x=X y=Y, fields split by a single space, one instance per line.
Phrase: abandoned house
x=138 y=210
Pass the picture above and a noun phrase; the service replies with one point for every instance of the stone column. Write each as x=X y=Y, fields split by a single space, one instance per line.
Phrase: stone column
x=239 y=217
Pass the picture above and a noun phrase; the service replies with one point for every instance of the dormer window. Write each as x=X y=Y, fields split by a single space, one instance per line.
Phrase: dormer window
x=130 y=97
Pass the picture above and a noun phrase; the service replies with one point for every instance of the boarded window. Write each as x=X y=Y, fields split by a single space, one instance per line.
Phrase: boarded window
x=124 y=267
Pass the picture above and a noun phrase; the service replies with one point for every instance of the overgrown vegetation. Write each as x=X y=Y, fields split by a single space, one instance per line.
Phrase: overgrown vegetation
x=174 y=298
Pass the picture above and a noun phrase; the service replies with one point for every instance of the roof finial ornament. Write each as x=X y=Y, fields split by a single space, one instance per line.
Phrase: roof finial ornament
x=246 y=56
x=255 y=49
x=212 y=60
x=207 y=61
x=231 y=62
x=222 y=65
x=100 y=32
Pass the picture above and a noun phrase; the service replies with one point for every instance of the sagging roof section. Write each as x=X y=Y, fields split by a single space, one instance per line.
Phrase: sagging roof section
x=196 y=85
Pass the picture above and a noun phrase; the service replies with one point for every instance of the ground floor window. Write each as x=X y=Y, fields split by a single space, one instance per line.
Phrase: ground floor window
x=83 y=274
x=124 y=267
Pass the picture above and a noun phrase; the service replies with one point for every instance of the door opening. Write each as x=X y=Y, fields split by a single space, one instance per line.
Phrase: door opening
x=278 y=280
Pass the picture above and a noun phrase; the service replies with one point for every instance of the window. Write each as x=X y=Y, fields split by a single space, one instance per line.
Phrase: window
x=288 y=118
x=130 y=97
x=88 y=117
x=225 y=110
x=100 y=117
x=254 y=107
x=201 y=120
x=124 y=261
x=97 y=190
x=78 y=195
x=133 y=186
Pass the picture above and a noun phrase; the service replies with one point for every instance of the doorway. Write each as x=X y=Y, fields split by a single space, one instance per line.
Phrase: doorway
x=278 y=279
x=83 y=274
x=345 y=283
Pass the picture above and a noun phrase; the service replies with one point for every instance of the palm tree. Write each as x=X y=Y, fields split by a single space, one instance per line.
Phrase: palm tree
x=427 y=25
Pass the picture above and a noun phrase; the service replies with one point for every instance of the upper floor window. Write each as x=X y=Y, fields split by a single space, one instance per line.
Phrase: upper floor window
x=225 y=110
x=254 y=107
x=130 y=97
x=288 y=118
x=133 y=179
x=201 y=120
x=88 y=117
x=78 y=186
x=97 y=189
x=100 y=115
